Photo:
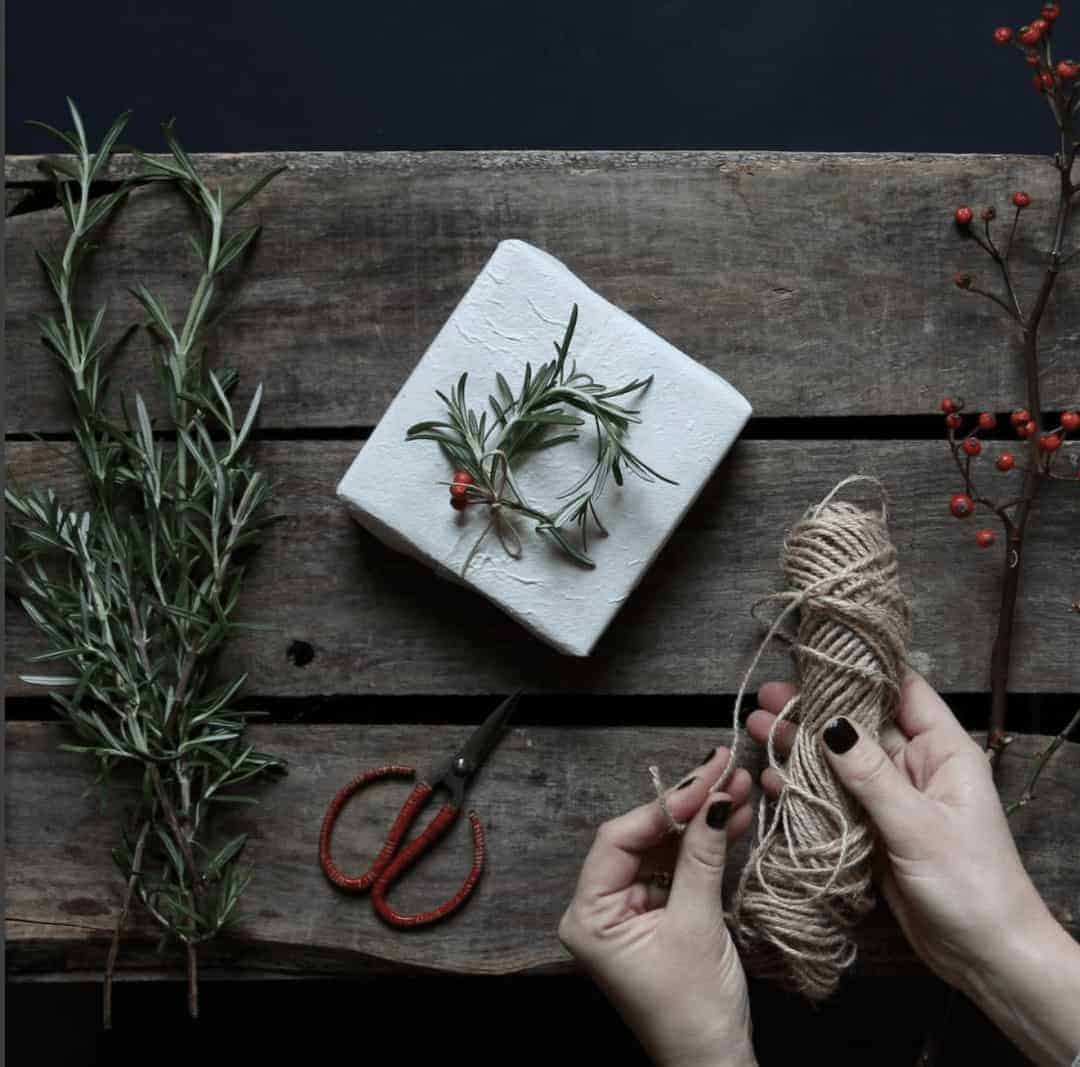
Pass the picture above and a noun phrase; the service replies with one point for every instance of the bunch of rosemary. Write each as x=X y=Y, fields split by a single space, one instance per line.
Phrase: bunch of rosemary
x=135 y=594
x=486 y=456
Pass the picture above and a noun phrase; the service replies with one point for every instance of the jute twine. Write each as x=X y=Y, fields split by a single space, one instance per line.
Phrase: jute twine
x=807 y=882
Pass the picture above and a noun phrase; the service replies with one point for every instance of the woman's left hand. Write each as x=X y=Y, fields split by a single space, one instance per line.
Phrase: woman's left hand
x=664 y=956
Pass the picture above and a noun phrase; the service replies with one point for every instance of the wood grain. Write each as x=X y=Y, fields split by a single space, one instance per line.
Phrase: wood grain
x=817 y=284
x=380 y=623
x=541 y=797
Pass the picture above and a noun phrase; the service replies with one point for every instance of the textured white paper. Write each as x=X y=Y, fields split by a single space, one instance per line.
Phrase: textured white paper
x=514 y=311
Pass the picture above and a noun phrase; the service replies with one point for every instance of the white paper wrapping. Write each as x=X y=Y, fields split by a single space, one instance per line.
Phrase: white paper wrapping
x=514 y=311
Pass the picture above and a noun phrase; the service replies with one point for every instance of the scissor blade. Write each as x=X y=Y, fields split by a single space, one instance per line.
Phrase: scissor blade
x=479 y=746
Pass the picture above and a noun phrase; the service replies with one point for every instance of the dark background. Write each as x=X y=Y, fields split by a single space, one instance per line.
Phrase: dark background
x=250 y=76
x=324 y=74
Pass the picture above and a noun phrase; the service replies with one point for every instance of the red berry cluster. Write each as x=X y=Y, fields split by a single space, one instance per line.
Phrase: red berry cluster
x=962 y=505
x=1034 y=41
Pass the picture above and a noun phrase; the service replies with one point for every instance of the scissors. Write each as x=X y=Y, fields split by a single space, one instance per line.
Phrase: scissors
x=391 y=863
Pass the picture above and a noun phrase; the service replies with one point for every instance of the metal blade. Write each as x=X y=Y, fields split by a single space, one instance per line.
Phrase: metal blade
x=479 y=746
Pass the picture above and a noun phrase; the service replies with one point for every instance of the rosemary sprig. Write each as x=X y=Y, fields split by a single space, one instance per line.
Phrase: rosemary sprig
x=135 y=595
x=536 y=418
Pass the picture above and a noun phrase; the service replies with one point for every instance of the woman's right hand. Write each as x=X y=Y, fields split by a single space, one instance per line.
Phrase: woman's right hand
x=949 y=867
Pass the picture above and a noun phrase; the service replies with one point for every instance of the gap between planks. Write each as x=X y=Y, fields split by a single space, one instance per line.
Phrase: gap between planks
x=541 y=796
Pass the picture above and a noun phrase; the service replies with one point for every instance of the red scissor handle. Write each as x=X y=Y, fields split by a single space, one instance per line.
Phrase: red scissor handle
x=365 y=881
x=390 y=864
x=414 y=850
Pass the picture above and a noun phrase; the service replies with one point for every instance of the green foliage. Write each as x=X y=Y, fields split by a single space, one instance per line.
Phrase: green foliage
x=136 y=594
x=536 y=418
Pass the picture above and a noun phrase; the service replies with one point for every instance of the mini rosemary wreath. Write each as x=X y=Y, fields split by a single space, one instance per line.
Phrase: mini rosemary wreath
x=545 y=413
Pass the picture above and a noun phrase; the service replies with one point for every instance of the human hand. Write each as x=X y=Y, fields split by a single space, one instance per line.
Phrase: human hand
x=948 y=866
x=664 y=957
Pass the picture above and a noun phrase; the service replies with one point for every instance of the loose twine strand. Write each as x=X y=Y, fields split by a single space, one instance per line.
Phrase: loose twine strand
x=807 y=882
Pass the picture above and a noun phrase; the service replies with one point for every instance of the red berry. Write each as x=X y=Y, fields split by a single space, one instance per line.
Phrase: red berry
x=1041 y=25
x=1032 y=59
x=972 y=446
x=1043 y=81
x=1006 y=461
x=1021 y=199
x=1003 y=34
x=964 y=215
x=954 y=420
x=985 y=538
x=1067 y=70
x=961 y=505
x=1028 y=35
x=458 y=505
x=1050 y=442
x=1050 y=12
x=1020 y=416
x=948 y=405
x=962 y=280
x=459 y=491
x=1026 y=429
x=989 y=214
x=1070 y=420
x=987 y=420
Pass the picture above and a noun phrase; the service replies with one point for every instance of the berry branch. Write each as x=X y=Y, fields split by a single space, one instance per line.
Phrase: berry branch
x=1047 y=454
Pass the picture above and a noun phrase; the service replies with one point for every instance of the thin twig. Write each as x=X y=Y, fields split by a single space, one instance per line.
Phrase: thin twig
x=1040 y=765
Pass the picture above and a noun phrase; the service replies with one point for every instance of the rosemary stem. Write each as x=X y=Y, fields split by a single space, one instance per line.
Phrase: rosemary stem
x=114 y=948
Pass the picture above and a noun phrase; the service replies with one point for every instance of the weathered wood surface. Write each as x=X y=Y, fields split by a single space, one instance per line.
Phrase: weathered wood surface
x=380 y=623
x=817 y=284
x=541 y=797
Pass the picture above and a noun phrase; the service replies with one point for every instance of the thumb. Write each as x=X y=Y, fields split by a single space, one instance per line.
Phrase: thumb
x=699 y=871
x=863 y=767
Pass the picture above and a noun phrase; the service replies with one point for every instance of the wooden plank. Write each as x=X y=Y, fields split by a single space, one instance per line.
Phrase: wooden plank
x=381 y=623
x=541 y=797
x=818 y=284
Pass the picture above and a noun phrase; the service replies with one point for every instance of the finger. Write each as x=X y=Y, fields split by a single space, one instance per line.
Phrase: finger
x=893 y=804
x=614 y=860
x=685 y=798
x=772 y=783
x=699 y=872
x=739 y=822
x=772 y=696
x=922 y=710
x=761 y=723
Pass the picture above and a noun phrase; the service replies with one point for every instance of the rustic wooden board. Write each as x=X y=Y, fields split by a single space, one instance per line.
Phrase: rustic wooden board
x=818 y=284
x=381 y=623
x=541 y=797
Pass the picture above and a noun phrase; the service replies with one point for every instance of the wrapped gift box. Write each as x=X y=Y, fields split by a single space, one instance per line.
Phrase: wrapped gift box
x=512 y=314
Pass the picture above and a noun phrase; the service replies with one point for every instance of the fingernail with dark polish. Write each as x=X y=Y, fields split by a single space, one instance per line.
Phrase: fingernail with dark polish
x=712 y=752
x=689 y=781
x=717 y=814
x=840 y=735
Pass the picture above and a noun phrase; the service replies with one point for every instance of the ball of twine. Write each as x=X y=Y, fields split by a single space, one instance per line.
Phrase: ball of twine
x=807 y=882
